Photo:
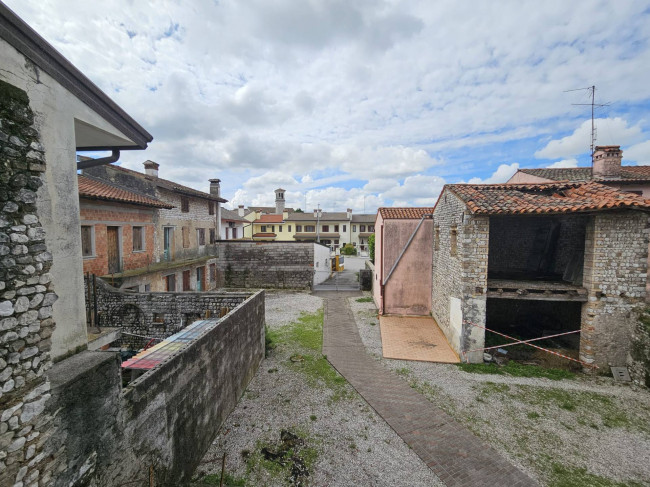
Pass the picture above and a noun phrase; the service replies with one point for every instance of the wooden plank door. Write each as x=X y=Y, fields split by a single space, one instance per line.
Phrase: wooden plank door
x=186 y=280
x=113 y=249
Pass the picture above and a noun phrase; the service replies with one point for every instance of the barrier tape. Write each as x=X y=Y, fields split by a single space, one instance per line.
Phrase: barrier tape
x=525 y=343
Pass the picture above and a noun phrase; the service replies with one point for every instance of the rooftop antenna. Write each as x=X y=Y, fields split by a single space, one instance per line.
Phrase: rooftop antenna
x=592 y=91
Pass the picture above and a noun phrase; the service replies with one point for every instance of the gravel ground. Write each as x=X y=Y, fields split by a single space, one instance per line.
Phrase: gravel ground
x=589 y=422
x=349 y=443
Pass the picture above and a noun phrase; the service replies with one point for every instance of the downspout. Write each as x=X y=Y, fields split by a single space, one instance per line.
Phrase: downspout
x=381 y=277
x=114 y=157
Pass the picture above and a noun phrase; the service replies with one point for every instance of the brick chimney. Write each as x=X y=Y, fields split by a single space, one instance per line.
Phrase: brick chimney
x=215 y=188
x=279 y=201
x=607 y=161
x=240 y=210
x=151 y=168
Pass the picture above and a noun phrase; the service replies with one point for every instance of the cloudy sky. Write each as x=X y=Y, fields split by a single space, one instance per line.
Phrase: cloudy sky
x=361 y=103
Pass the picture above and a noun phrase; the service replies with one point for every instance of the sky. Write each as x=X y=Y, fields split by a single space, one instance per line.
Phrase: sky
x=361 y=104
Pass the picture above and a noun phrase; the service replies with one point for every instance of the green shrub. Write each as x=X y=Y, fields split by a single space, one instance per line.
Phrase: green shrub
x=371 y=246
x=348 y=249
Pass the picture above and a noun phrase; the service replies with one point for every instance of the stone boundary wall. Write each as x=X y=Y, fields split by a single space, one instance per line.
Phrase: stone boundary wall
x=26 y=296
x=638 y=361
x=162 y=422
x=270 y=265
x=157 y=315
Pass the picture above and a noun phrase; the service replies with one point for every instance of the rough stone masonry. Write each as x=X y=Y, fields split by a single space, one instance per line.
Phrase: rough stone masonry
x=26 y=296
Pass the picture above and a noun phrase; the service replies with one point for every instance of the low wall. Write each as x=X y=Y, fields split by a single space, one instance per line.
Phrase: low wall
x=156 y=315
x=639 y=359
x=271 y=265
x=162 y=423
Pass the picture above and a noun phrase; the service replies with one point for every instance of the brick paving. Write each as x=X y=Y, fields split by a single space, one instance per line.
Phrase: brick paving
x=415 y=338
x=454 y=454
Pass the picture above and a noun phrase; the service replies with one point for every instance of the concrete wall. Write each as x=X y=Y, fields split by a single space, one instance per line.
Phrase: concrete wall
x=378 y=269
x=55 y=110
x=459 y=282
x=322 y=264
x=615 y=274
x=136 y=313
x=164 y=421
x=281 y=265
x=408 y=290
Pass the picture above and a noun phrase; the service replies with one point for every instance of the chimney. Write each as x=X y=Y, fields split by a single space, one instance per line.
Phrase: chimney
x=279 y=201
x=215 y=188
x=240 y=210
x=315 y=212
x=151 y=168
x=607 y=161
x=349 y=213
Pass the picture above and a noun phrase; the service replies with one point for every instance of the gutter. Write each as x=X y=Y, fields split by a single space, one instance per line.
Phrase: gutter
x=114 y=157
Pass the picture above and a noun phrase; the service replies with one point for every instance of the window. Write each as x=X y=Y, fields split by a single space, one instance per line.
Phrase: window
x=186 y=280
x=326 y=228
x=272 y=228
x=371 y=228
x=186 y=237
x=170 y=282
x=279 y=228
x=234 y=233
x=453 y=241
x=147 y=288
x=200 y=236
x=336 y=228
x=185 y=204
x=159 y=317
x=87 y=241
x=213 y=235
x=289 y=230
x=298 y=228
x=310 y=228
x=138 y=239
x=345 y=228
x=211 y=207
x=436 y=239
x=354 y=228
x=264 y=228
x=362 y=228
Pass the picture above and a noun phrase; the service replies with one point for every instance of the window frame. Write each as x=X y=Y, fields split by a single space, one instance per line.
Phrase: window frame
x=143 y=244
x=92 y=254
x=185 y=204
x=200 y=237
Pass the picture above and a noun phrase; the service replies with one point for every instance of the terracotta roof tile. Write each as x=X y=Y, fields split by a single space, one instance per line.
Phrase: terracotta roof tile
x=583 y=174
x=269 y=219
x=411 y=213
x=100 y=190
x=264 y=234
x=545 y=198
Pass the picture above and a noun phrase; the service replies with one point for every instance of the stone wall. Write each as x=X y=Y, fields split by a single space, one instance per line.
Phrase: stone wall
x=278 y=265
x=163 y=422
x=156 y=315
x=638 y=361
x=26 y=294
x=459 y=282
x=615 y=273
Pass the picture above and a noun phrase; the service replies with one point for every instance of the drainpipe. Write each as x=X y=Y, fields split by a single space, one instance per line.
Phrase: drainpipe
x=114 y=157
x=381 y=277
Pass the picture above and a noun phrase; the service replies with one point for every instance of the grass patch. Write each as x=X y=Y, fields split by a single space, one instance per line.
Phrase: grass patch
x=365 y=299
x=403 y=371
x=229 y=480
x=562 y=476
x=516 y=369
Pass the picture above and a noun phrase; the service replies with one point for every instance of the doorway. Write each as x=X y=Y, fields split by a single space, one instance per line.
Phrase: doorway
x=168 y=243
x=200 y=277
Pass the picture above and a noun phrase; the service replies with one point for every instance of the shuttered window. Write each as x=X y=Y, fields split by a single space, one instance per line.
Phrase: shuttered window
x=87 y=241
x=185 y=204
x=186 y=237
x=138 y=239
x=200 y=235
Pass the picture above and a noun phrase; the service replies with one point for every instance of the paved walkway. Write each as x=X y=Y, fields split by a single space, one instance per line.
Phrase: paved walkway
x=456 y=456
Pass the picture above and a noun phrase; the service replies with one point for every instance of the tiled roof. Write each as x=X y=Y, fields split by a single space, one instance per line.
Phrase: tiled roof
x=364 y=218
x=171 y=185
x=405 y=213
x=269 y=219
x=100 y=190
x=231 y=216
x=264 y=234
x=583 y=174
x=326 y=216
x=544 y=198
x=320 y=235
x=265 y=209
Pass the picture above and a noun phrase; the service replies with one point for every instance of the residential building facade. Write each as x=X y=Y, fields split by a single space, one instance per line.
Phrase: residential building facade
x=232 y=225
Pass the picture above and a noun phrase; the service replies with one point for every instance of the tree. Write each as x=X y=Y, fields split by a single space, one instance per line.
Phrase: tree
x=298 y=211
x=371 y=247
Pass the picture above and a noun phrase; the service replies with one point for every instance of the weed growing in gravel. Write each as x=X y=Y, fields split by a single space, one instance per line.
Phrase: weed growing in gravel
x=517 y=370
x=403 y=371
x=365 y=299
x=562 y=476
x=229 y=480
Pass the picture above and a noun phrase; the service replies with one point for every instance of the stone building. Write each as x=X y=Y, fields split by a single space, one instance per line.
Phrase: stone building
x=185 y=231
x=117 y=228
x=606 y=168
x=65 y=418
x=403 y=255
x=531 y=260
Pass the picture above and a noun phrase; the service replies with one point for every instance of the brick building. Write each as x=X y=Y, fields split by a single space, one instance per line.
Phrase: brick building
x=117 y=227
x=533 y=259
x=185 y=231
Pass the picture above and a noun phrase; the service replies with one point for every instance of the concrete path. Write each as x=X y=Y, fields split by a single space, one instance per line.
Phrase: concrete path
x=456 y=456
x=345 y=280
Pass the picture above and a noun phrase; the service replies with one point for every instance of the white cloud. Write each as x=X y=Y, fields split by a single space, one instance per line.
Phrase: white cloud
x=564 y=163
x=501 y=175
x=416 y=190
x=640 y=153
x=611 y=131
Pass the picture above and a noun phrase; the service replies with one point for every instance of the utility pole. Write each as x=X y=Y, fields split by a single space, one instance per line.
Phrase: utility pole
x=593 y=104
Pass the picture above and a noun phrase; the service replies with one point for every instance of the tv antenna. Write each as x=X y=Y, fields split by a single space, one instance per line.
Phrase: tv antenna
x=592 y=91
